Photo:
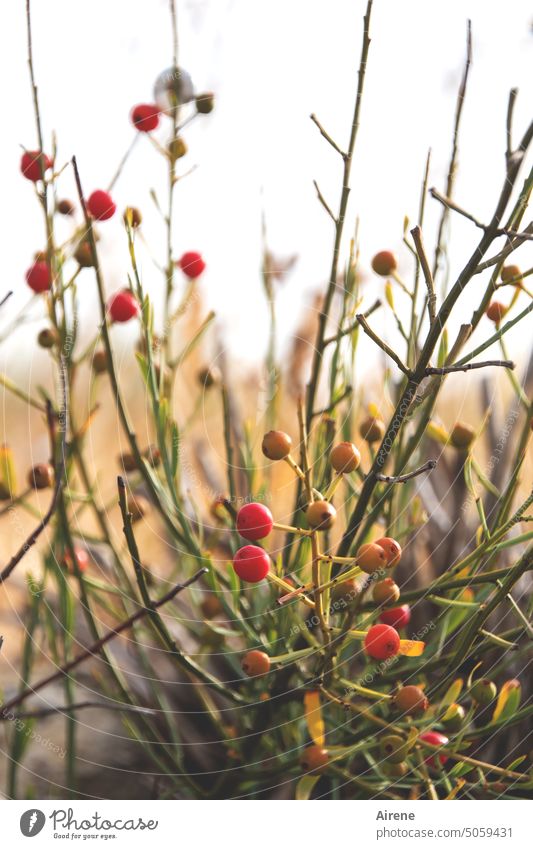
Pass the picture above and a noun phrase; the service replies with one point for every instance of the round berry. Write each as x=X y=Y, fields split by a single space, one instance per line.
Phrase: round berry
x=211 y=606
x=38 y=277
x=276 y=445
x=511 y=272
x=48 y=337
x=82 y=560
x=41 y=476
x=411 y=700
x=32 y=162
x=382 y=642
x=255 y=663
x=192 y=264
x=344 y=591
x=177 y=148
x=345 y=457
x=101 y=205
x=84 y=254
x=496 y=311
x=435 y=739
x=372 y=429
x=314 y=759
x=454 y=717
x=132 y=217
x=254 y=521
x=123 y=306
x=65 y=207
x=384 y=263
x=251 y=564
x=462 y=435
x=321 y=515
x=484 y=691
x=205 y=103
x=145 y=117
x=386 y=591
x=99 y=361
x=393 y=748
x=398 y=617
x=392 y=549
x=371 y=558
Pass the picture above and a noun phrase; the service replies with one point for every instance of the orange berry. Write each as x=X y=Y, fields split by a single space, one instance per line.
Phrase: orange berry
x=384 y=263
x=41 y=476
x=371 y=558
x=276 y=445
x=345 y=457
x=511 y=272
x=392 y=549
x=410 y=700
x=255 y=663
x=314 y=759
x=321 y=515
x=386 y=591
x=496 y=311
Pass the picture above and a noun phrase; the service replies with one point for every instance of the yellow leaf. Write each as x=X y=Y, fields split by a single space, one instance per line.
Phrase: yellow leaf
x=438 y=433
x=467 y=594
x=8 y=482
x=412 y=648
x=373 y=410
x=313 y=717
x=459 y=784
x=388 y=295
x=452 y=693
x=508 y=689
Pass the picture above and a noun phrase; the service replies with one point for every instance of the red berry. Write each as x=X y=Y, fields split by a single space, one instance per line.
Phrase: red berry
x=398 y=617
x=30 y=164
x=192 y=264
x=82 y=560
x=123 y=306
x=38 y=277
x=101 y=206
x=145 y=117
x=254 y=521
x=392 y=549
x=382 y=642
x=436 y=739
x=314 y=759
x=251 y=563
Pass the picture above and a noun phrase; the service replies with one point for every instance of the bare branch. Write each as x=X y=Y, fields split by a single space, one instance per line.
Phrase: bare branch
x=381 y=344
x=324 y=202
x=427 y=467
x=327 y=136
x=470 y=366
x=416 y=233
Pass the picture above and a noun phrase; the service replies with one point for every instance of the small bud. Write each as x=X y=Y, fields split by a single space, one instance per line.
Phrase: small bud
x=41 y=476
x=384 y=263
x=511 y=272
x=177 y=148
x=65 y=207
x=393 y=748
x=321 y=515
x=205 y=103
x=454 y=717
x=132 y=217
x=483 y=691
x=372 y=429
x=48 y=337
x=84 y=255
x=496 y=311
x=462 y=435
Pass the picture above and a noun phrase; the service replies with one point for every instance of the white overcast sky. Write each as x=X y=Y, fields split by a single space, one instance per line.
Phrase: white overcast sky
x=271 y=63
